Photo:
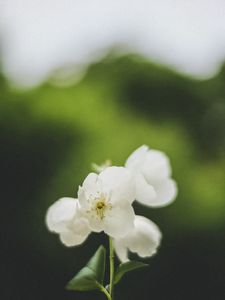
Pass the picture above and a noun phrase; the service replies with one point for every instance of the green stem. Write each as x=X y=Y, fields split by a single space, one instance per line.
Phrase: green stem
x=104 y=290
x=111 y=263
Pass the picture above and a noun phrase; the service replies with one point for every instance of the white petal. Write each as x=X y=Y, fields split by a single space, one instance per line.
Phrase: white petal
x=120 y=220
x=70 y=238
x=144 y=239
x=90 y=183
x=86 y=210
x=145 y=193
x=119 y=182
x=166 y=191
x=82 y=197
x=121 y=250
x=152 y=171
x=156 y=166
x=137 y=157
x=95 y=223
x=60 y=213
x=89 y=189
x=76 y=232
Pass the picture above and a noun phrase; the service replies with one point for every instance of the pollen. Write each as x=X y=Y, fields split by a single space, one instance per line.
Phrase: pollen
x=100 y=208
x=100 y=205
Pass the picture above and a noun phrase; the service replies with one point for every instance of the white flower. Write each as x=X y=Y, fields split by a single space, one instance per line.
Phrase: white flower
x=144 y=240
x=105 y=200
x=64 y=217
x=152 y=172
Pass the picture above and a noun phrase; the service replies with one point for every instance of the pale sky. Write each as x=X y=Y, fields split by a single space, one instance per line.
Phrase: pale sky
x=39 y=36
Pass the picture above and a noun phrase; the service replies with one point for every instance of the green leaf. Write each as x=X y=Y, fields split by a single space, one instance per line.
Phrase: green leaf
x=127 y=267
x=92 y=275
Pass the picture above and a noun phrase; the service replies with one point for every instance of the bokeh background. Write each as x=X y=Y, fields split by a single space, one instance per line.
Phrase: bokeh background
x=53 y=127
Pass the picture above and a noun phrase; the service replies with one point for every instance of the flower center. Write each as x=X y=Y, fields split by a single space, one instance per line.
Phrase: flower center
x=100 y=208
x=99 y=205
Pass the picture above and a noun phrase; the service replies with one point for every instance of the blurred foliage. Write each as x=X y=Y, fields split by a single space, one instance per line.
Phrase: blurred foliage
x=49 y=138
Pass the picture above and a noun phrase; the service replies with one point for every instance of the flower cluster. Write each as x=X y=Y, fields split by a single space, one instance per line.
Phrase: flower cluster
x=104 y=203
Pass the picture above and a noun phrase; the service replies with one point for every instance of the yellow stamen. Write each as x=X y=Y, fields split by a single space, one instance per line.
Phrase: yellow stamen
x=100 y=208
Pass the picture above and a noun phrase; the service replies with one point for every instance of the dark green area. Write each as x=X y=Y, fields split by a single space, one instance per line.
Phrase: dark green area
x=51 y=135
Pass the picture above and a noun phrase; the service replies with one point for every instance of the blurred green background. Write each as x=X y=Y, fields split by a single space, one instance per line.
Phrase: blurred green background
x=49 y=138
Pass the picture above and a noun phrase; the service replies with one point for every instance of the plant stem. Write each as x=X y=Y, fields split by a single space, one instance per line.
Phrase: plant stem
x=104 y=290
x=111 y=263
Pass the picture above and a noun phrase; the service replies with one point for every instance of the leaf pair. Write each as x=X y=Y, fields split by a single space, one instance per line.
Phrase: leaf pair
x=91 y=277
